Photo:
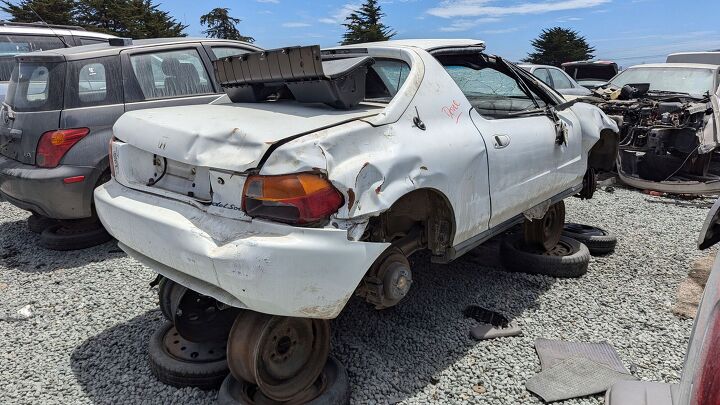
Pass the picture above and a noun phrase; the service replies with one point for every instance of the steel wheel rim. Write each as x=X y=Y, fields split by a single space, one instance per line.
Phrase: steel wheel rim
x=186 y=351
x=251 y=345
x=562 y=249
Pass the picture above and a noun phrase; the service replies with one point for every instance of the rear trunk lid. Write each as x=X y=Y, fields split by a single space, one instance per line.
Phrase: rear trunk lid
x=33 y=105
x=231 y=137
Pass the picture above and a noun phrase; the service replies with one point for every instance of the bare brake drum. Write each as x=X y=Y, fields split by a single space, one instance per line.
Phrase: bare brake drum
x=545 y=233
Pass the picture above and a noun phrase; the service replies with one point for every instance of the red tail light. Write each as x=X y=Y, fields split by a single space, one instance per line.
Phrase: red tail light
x=54 y=145
x=706 y=388
x=301 y=198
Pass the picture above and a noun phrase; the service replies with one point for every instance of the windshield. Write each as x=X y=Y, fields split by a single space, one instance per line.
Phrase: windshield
x=694 y=81
x=11 y=45
x=36 y=86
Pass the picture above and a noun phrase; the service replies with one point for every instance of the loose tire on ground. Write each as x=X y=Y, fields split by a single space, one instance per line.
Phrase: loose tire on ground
x=598 y=241
x=331 y=388
x=199 y=365
x=38 y=223
x=568 y=259
x=63 y=236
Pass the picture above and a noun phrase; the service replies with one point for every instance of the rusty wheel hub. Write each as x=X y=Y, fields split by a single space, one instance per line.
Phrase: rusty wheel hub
x=283 y=356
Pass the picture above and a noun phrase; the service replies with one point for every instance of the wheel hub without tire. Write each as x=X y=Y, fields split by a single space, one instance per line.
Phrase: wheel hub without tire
x=192 y=352
x=199 y=318
x=545 y=232
x=283 y=356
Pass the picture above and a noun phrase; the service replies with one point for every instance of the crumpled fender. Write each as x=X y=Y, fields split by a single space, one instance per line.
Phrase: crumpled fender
x=600 y=135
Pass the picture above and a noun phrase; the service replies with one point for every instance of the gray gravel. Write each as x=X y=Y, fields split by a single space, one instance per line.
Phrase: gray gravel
x=92 y=312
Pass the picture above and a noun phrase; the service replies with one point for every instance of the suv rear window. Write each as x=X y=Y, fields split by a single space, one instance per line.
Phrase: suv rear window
x=37 y=86
x=93 y=82
x=11 y=45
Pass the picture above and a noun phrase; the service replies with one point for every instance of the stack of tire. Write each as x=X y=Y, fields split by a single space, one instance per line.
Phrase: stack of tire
x=191 y=350
x=568 y=259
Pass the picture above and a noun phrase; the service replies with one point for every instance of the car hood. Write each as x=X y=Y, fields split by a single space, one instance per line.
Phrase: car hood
x=228 y=136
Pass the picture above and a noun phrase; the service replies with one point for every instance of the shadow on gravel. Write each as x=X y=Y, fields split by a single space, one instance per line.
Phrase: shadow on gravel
x=112 y=367
x=390 y=355
x=20 y=249
x=395 y=353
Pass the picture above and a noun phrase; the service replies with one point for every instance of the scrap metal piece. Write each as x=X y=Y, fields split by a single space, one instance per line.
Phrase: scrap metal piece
x=553 y=352
x=486 y=331
x=572 y=378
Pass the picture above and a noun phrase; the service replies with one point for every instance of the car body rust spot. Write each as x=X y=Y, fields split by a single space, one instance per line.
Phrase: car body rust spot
x=351 y=198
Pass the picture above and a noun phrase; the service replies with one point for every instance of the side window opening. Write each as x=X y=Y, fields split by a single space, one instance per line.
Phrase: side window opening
x=544 y=75
x=384 y=79
x=559 y=80
x=491 y=89
x=227 y=51
x=171 y=74
x=93 y=82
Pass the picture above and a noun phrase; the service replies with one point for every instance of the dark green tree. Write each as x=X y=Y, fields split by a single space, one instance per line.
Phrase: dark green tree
x=557 y=45
x=221 y=25
x=128 y=18
x=50 y=11
x=364 y=25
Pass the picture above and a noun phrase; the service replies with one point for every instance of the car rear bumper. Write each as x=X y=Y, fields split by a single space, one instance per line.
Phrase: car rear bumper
x=43 y=190
x=259 y=265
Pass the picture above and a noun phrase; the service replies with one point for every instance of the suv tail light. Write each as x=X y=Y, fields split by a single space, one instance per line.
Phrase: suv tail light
x=706 y=387
x=300 y=198
x=53 y=145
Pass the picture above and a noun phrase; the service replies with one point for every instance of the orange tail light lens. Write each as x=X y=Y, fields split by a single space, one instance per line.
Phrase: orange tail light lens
x=301 y=198
x=53 y=145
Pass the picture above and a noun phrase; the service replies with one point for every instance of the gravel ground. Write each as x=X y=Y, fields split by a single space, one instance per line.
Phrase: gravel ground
x=93 y=312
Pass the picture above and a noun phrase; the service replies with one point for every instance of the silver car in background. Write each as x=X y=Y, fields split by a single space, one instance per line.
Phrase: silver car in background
x=558 y=80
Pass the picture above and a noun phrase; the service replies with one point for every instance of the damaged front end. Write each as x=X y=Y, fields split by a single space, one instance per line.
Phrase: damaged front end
x=668 y=141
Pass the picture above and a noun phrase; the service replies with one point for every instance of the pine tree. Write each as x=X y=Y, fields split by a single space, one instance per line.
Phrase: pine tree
x=128 y=18
x=558 y=45
x=364 y=25
x=51 y=11
x=221 y=25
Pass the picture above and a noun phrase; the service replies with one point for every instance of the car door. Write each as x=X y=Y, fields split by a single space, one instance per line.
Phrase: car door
x=526 y=163
x=167 y=76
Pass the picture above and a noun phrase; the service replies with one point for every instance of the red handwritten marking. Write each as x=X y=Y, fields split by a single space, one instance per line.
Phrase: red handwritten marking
x=453 y=111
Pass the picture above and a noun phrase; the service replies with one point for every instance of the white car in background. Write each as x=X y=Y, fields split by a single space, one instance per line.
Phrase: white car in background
x=331 y=168
x=558 y=80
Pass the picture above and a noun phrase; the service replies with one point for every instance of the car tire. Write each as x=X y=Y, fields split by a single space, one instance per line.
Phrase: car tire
x=569 y=259
x=180 y=372
x=38 y=223
x=334 y=379
x=165 y=290
x=598 y=241
x=73 y=236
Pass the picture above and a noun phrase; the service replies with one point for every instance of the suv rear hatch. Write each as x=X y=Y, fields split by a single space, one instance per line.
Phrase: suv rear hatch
x=33 y=105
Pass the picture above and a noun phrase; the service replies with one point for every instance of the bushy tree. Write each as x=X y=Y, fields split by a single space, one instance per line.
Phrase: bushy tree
x=221 y=25
x=50 y=11
x=364 y=25
x=558 y=45
x=128 y=18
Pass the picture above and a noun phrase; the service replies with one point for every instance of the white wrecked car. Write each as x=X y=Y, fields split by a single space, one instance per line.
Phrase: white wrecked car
x=331 y=168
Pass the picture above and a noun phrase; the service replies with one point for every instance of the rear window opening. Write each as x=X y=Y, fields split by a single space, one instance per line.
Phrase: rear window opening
x=37 y=86
x=11 y=45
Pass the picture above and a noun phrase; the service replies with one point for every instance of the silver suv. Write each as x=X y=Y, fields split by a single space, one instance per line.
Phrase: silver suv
x=57 y=118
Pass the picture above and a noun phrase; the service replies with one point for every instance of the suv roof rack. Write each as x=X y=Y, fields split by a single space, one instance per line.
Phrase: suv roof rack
x=40 y=25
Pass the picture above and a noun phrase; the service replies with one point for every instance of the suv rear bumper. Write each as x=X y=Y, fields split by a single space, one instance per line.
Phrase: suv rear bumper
x=259 y=265
x=43 y=191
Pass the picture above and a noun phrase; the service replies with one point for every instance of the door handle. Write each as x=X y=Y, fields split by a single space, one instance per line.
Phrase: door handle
x=501 y=141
